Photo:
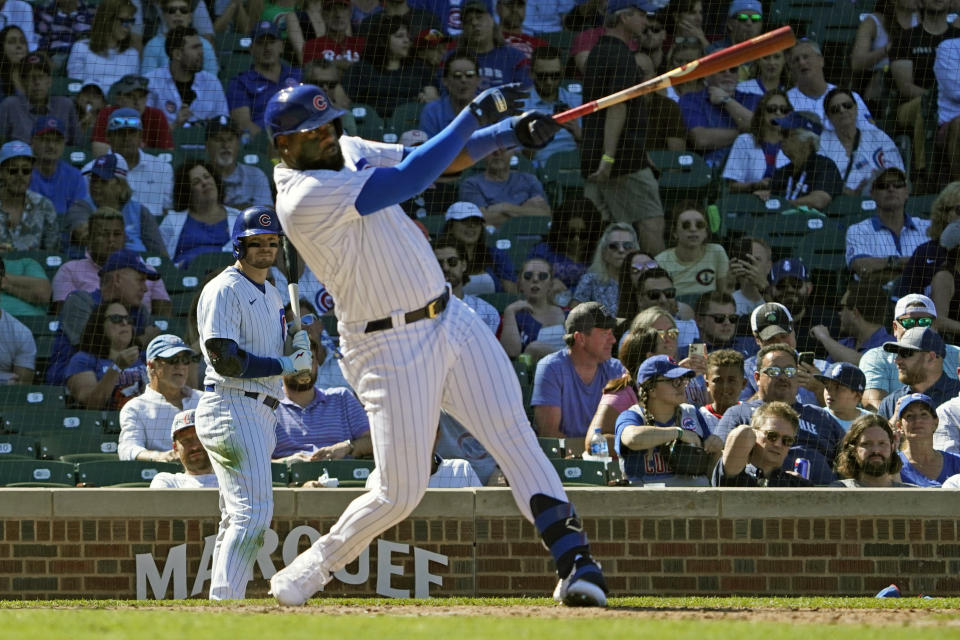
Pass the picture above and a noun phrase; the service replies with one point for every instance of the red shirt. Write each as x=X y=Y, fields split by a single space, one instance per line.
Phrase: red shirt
x=349 y=48
x=524 y=43
x=156 y=130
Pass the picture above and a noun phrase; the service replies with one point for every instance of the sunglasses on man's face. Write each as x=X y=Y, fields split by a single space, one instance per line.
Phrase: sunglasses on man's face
x=539 y=275
x=720 y=318
x=183 y=358
x=452 y=262
x=910 y=323
x=749 y=17
x=23 y=171
x=773 y=437
x=548 y=75
x=777 y=372
x=890 y=184
x=656 y=294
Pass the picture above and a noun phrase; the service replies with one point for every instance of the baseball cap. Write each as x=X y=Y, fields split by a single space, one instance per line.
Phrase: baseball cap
x=462 y=211
x=125 y=118
x=896 y=171
x=15 y=149
x=265 y=28
x=183 y=420
x=221 y=123
x=474 y=5
x=586 y=316
x=127 y=84
x=413 y=137
x=166 y=345
x=36 y=60
x=849 y=375
x=647 y=6
x=744 y=6
x=789 y=268
x=950 y=237
x=770 y=319
x=912 y=398
x=922 y=303
x=124 y=259
x=662 y=367
x=918 y=339
x=806 y=120
x=107 y=166
x=45 y=124
x=430 y=38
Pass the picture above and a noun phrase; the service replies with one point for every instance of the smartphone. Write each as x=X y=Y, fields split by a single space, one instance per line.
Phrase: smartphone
x=806 y=357
x=740 y=248
x=697 y=349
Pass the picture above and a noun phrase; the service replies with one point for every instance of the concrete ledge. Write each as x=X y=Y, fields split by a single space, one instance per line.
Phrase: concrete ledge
x=835 y=503
x=330 y=503
x=26 y=503
x=150 y=503
x=627 y=502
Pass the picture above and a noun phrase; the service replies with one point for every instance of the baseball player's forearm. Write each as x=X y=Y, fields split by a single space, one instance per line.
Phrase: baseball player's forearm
x=230 y=360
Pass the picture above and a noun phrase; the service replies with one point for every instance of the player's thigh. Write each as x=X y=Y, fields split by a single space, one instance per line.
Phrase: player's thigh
x=239 y=435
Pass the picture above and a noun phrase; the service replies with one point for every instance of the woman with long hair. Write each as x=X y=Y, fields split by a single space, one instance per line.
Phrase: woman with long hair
x=755 y=155
x=929 y=257
x=387 y=75
x=915 y=421
x=685 y=23
x=533 y=324
x=696 y=265
x=646 y=432
x=11 y=59
x=599 y=283
x=200 y=222
x=107 y=369
x=573 y=234
x=108 y=54
x=634 y=264
x=870 y=55
x=767 y=73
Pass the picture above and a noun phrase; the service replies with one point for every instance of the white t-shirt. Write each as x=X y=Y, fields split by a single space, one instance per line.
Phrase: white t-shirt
x=164 y=480
x=746 y=162
x=454 y=473
x=17 y=347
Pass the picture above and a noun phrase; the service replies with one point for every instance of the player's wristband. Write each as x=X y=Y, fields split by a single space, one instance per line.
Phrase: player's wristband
x=607 y=159
x=496 y=137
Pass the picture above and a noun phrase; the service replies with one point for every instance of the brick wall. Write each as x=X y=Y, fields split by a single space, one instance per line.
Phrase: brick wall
x=84 y=543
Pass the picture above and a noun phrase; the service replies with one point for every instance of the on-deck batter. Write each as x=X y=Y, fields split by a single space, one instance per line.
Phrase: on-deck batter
x=409 y=347
x=242 y=332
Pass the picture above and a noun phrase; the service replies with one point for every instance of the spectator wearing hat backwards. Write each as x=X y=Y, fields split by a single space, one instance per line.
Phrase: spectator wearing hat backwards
x=197 y=472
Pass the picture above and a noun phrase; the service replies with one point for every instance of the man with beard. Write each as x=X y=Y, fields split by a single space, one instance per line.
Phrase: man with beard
x=716 y=316
x=791 y=287
x=867 y=456
x=197 y=471
x=920 y=352
x=244 y=185
x=496 y=62
x=777 y=381
x=862 y=309
x=546 y=69
x=183 y=90
x=450 y=257
x=319 y=424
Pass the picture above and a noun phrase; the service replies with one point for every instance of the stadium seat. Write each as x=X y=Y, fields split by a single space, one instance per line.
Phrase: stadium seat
x=786 y=232
x=16 y=446
x=434 y=223
x=854 y=208
x=683 y=176
x=57 y=422
x=204 y=263
x=232 y=65
x=555 y=448
x=560 y=174
x=561 y=39
x=350 y=473
x=405 y=117
x=280 y=473
x=329 y=321
x=740 y=211
x=190 y=139
x=77 y=156
x=30 y=396
x=525 y=228
x=369 y=123
x=574 y=471
x=181 y=303
x=228 y=41
x=499 y=300
x=37 y=472
x=40 y=325
x=919 y=206
x=104 y=473
x=61 y=445
x=175 y=325
x=175 y=279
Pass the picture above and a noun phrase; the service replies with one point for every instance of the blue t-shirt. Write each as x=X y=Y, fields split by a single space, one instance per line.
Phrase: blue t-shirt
x=697 y=111
x=64 y=187
x=436 y=115
x=945 y=388
x=877 y=339
x=250 y=89
x=909 y=474
x=130 y=383
x=650 y=465
x=516 y=189
x=529 y=328
x=557 y=384
x=334 y=415
x=502 y=65
x=817 y=439
x=199 y=237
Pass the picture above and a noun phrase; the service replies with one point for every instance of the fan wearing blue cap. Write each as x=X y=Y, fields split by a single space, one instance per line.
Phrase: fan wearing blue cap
x=645 y=432
x=810 y=180
x=919 y=359
x=744 y=21
x=843 y=385
x=916 y=420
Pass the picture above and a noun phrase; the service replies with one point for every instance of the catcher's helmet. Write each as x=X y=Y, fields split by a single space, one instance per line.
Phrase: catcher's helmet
x=252 y=222
x=300 y=108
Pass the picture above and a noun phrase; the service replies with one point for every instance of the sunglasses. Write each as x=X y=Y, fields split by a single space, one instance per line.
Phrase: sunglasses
x=548 y=75
x=773 y=437
x=690 y=225
x=778 y=372
x=307 y=319
x=539 y=275
x=910 y=323
x=840 y=108
x=668 y=333
x=23 y=171
x=676 y=383
x=460 y=75
x=121 y=122
x=622 y=246
x=748 y=17
x=656 y=294
x=453 y=262
x=643 y=267
x=653 y=29
x=118 y=318
x=893 y=184
x=174 y=10
x=719 y=318
x=777 y=108
x=183 y=358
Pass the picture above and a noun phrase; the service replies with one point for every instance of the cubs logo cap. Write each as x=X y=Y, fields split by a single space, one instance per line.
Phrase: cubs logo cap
x=845 y=373
x=183 y=420
x=15 y=149
x=913 y=398
x=300 y=108
x=46 y=124
x=662 y=367
x=107 y=166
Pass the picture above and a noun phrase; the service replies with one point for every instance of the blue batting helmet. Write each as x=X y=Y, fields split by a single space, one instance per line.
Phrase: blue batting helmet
x=254 y=221
x=300 y=108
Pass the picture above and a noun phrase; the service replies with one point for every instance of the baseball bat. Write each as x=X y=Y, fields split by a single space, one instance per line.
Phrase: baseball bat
x=291 y=263
x=746 y=51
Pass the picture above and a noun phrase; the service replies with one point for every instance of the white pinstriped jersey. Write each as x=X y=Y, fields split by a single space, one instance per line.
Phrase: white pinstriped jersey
x=233 y=307
x=374 y=265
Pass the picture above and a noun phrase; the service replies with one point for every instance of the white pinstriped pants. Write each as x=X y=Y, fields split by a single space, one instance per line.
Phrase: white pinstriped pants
x=403 y=376
x=239 y=434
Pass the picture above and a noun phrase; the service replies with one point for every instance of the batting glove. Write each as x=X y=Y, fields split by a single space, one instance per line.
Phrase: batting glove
x=534 y=129
x=301 y=340
x=495 y=104
x=299 y=361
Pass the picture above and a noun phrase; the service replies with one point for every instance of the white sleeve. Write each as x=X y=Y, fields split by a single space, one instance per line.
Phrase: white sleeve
x=132 y=439
x=945 y=67
x=947 y=435
x=218 y=313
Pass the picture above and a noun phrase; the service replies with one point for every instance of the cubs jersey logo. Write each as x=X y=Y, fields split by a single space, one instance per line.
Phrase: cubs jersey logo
x=688 y=424
x=878 y=159
x=319 y=102
x=706 y=276
x=264 y=220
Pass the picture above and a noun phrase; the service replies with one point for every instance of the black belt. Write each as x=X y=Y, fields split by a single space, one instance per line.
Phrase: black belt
x=270 y=401
x=434 y=308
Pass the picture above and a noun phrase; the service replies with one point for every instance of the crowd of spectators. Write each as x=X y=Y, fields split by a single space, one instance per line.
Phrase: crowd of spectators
x=733 y=352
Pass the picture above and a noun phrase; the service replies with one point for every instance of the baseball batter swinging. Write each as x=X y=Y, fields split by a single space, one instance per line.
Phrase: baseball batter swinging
x=242 y=334
x=409 y=347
